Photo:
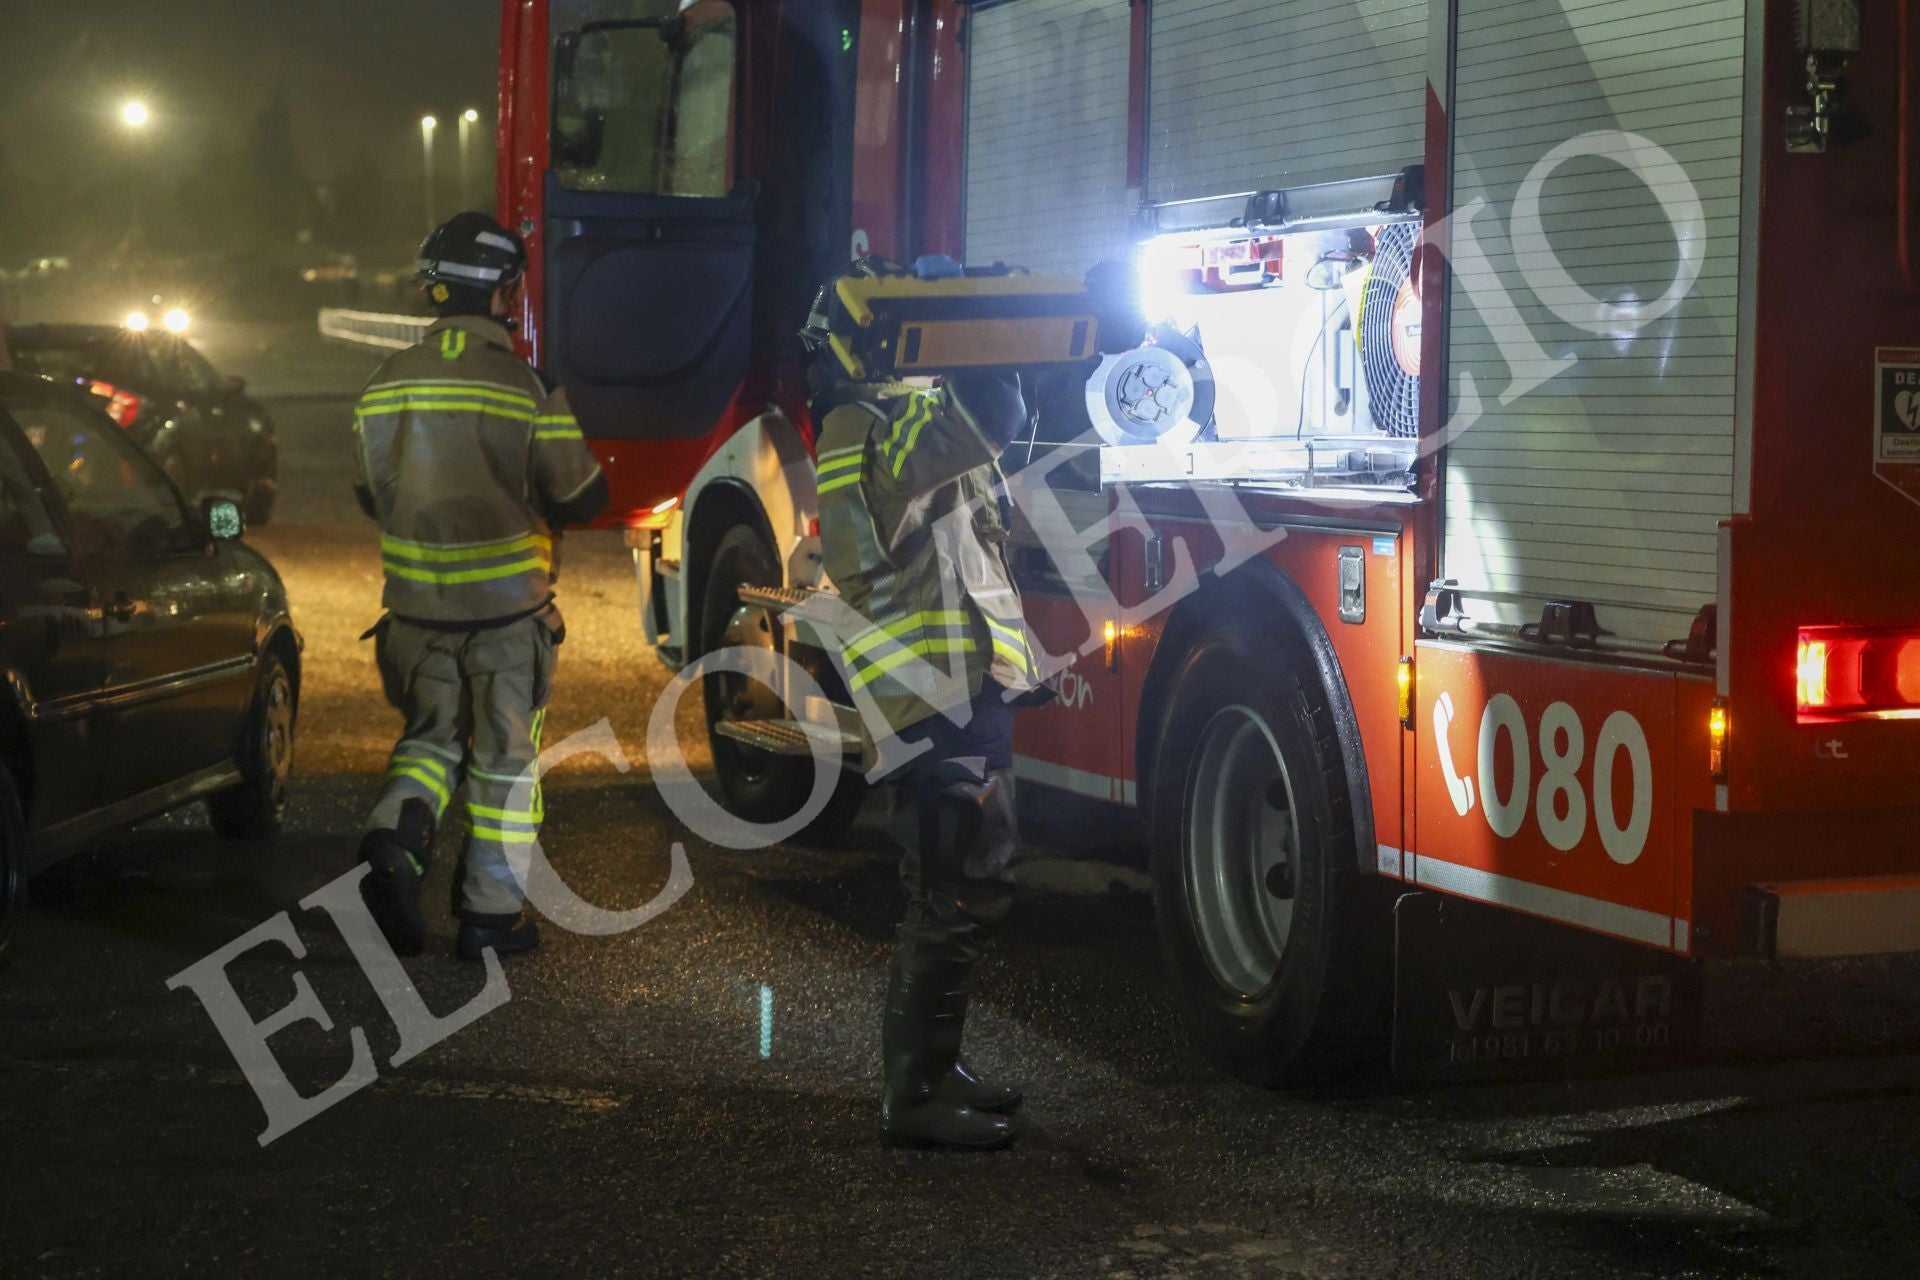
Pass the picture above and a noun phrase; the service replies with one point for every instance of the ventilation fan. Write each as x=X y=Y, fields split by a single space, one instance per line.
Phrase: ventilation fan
x=1390 y=332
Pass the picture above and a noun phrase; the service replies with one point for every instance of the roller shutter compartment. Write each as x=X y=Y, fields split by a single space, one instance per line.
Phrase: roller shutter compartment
x=1607 y=480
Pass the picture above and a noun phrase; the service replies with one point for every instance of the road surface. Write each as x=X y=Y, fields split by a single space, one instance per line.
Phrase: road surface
x=697 y=1097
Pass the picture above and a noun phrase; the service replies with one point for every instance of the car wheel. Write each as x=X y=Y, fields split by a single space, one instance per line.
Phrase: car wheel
x=254 y=808
x=758 y=786
x=1270 y=937
x=13 y=863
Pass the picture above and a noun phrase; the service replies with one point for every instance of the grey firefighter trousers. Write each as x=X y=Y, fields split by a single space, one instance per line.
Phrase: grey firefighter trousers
x=475 y=703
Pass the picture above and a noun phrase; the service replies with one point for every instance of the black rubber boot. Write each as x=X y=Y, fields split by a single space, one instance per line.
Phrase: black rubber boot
x=920 y=1040
x=999 y=1099
x=508 y=935
x=392 y=890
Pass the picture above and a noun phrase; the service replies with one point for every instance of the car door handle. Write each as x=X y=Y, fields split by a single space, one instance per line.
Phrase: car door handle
x=122 y=609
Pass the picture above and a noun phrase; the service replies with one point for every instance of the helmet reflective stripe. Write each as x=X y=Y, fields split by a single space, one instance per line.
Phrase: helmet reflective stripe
x=461 y=271
x=493 y=241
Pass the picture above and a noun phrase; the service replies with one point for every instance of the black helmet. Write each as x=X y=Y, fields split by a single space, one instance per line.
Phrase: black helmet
x=471 y=251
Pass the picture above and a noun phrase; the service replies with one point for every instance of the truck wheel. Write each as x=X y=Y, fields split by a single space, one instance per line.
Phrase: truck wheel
x=254 y=808
x=758 y=786
x=1256 y=885
x=13 y=863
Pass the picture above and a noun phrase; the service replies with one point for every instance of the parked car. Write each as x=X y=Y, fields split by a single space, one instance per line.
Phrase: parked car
x=147 y=658
x=207 y=434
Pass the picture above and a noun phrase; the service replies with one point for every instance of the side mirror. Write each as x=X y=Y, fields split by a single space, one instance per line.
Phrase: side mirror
x=223 y=519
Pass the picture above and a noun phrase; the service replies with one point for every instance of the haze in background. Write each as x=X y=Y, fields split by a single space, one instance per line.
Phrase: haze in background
x=284 y=133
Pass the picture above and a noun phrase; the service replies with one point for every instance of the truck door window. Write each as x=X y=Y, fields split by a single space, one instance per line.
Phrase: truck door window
x=643 y=96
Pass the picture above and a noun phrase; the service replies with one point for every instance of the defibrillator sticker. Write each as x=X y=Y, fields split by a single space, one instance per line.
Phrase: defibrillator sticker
x=1896 y=428
x=1899 y=432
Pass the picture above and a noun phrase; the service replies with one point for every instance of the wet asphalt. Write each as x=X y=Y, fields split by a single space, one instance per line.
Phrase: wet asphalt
x=698 y=1096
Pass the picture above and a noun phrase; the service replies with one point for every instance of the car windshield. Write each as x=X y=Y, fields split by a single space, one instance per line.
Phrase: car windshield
x=109 y=356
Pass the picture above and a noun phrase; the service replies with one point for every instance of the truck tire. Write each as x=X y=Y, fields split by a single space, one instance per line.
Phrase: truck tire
x=1267 y=932
x=758 y=786
x=254 y=808
x=13 y=863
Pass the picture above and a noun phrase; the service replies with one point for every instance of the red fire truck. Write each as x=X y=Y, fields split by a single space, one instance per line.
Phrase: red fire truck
x=1518 y=498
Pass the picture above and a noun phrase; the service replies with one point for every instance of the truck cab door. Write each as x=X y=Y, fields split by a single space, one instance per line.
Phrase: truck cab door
x=649 y=237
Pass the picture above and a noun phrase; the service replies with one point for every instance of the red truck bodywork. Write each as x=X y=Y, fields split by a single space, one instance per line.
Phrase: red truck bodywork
x=1665 y=853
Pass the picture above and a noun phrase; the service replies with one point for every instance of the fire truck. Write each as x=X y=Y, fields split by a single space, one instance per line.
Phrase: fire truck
x=1512 y=517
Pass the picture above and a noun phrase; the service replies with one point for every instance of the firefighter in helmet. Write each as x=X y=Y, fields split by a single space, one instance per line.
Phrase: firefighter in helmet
x=472 y=464
x=912 y=529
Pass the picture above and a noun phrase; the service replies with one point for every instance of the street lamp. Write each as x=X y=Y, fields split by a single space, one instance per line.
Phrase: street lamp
x=135 y=117
x=468 y=119
x=427 y=125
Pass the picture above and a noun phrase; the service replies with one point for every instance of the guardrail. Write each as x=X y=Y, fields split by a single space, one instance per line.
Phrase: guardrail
x=373 y=329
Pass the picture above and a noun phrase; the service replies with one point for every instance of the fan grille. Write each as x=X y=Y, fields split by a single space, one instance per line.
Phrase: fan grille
x=1393 y=393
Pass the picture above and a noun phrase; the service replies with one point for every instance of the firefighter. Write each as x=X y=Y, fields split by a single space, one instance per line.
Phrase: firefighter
x=912 y=531
x=472 y=465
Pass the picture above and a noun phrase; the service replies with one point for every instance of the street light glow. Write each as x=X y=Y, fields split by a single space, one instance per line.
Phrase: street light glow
x=428 y=124
x=472 y=116
x=135 y=115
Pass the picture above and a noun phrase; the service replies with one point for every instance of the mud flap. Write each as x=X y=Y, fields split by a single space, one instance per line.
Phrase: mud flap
x=1484 y=994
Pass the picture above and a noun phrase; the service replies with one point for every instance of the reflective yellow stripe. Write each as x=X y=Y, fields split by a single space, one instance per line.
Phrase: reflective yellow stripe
x=922 y=408
x=425 y=779
x=560 y=434
x=469 y=390
x=1016 y=656
x=501 y=835
x=833 y=455
x=534 y=816
x=840 y=464
x=923 y=648
x=839 y=482
x=437 y=578
x=897 y=630
x=452 y=343
x=403 y=549
x=448 y=406
x=900 y=458
x=436 y=767
x=556 y=420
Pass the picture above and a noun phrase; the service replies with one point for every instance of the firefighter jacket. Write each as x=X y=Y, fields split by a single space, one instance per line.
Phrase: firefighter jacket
x=913 y=535
x=465 y=458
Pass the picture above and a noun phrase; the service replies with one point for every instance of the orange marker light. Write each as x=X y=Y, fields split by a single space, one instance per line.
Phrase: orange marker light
x=1811 y=669
x=1406 y=693
x=1717 y=740
x=1111 y=633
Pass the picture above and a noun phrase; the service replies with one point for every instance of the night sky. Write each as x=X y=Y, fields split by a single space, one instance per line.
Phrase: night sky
x=356 y=76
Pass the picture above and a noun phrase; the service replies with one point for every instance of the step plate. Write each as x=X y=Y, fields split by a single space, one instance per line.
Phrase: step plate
x=1826 y=919
x=788 y=737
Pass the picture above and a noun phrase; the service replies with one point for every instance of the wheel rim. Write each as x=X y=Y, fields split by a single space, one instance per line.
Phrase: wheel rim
x=1242 y=842
x=276 y=735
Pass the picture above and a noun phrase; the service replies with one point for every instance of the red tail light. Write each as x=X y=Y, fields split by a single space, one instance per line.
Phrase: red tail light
x=122 y=406
x=1841 y=672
